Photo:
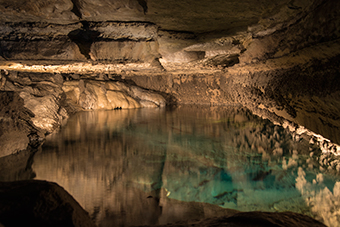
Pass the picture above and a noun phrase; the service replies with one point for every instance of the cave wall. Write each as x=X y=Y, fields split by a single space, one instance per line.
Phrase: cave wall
x=36 y=104
x=279 y=56
x=139 y=31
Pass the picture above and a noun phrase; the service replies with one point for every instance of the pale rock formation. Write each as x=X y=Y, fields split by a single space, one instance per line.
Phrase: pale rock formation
x=109 y=95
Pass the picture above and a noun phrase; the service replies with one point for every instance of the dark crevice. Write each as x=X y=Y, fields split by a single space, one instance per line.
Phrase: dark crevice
x=186 y=35
x=144 y=5
x=84 y=38
x=76 y=8
x=224 y=61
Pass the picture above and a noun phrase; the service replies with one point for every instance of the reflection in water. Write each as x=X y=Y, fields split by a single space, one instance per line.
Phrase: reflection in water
x=125 y=167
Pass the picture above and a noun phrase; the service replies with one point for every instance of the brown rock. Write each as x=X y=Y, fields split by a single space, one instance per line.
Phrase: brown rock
x=45 y=109
x=41 y=50
x=14 y=129
x=39 y=203
x=124 y=51
x=149 y=96
x=30 y=10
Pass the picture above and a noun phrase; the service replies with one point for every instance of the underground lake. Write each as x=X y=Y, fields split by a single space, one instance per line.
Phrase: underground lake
x=155 y=166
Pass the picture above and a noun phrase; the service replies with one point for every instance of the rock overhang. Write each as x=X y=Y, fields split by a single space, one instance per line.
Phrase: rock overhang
x=176 y=31
x=221 y=51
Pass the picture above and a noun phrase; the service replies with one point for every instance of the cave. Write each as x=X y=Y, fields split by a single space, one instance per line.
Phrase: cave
x=227 y=99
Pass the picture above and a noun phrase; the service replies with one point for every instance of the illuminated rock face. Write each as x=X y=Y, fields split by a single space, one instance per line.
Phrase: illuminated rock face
x=277 y=57
x=35 y=104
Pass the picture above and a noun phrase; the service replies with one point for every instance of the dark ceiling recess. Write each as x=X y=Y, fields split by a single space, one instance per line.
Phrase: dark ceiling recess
x=84 y=38
x=144 y=4
x=76 y=8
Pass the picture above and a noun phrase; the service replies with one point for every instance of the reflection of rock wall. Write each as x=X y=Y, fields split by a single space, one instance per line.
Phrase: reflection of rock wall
x=324 y=203
x=17 y=167
x=115 y=163
x=278 y=55
x=309 y=99
x=37 y=104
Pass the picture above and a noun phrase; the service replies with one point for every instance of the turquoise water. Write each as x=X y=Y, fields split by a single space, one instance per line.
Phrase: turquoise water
x=144 y=166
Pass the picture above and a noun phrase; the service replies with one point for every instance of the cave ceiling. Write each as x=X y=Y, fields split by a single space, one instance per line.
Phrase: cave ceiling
x=182 y=31
x=188 y=15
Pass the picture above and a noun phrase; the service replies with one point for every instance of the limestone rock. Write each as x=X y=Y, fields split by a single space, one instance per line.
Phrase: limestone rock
x=109 y=95
x=118 y=99
x=40 y=97
x=41 y=50
x=124 y=51
x=13 y=142
x=45 y=111
x=148 y=104
x=36 y=30
x=72 y=91
x=136 y=31
x=98 y=93
x=30 y=10
x=112 y=10
x=13 y=129
x=148 y=96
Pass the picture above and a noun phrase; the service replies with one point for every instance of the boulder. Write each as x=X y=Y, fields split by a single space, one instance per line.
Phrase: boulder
x=39 y=203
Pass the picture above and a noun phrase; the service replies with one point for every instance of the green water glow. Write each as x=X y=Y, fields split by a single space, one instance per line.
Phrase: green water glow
x=128 y=167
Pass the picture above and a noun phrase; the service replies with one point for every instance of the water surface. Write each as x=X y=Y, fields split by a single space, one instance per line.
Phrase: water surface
x=141 y=167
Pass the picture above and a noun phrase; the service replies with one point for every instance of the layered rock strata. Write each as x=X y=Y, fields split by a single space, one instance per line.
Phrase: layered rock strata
x=280 y=58
x=284 y=58
x=36 y=104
